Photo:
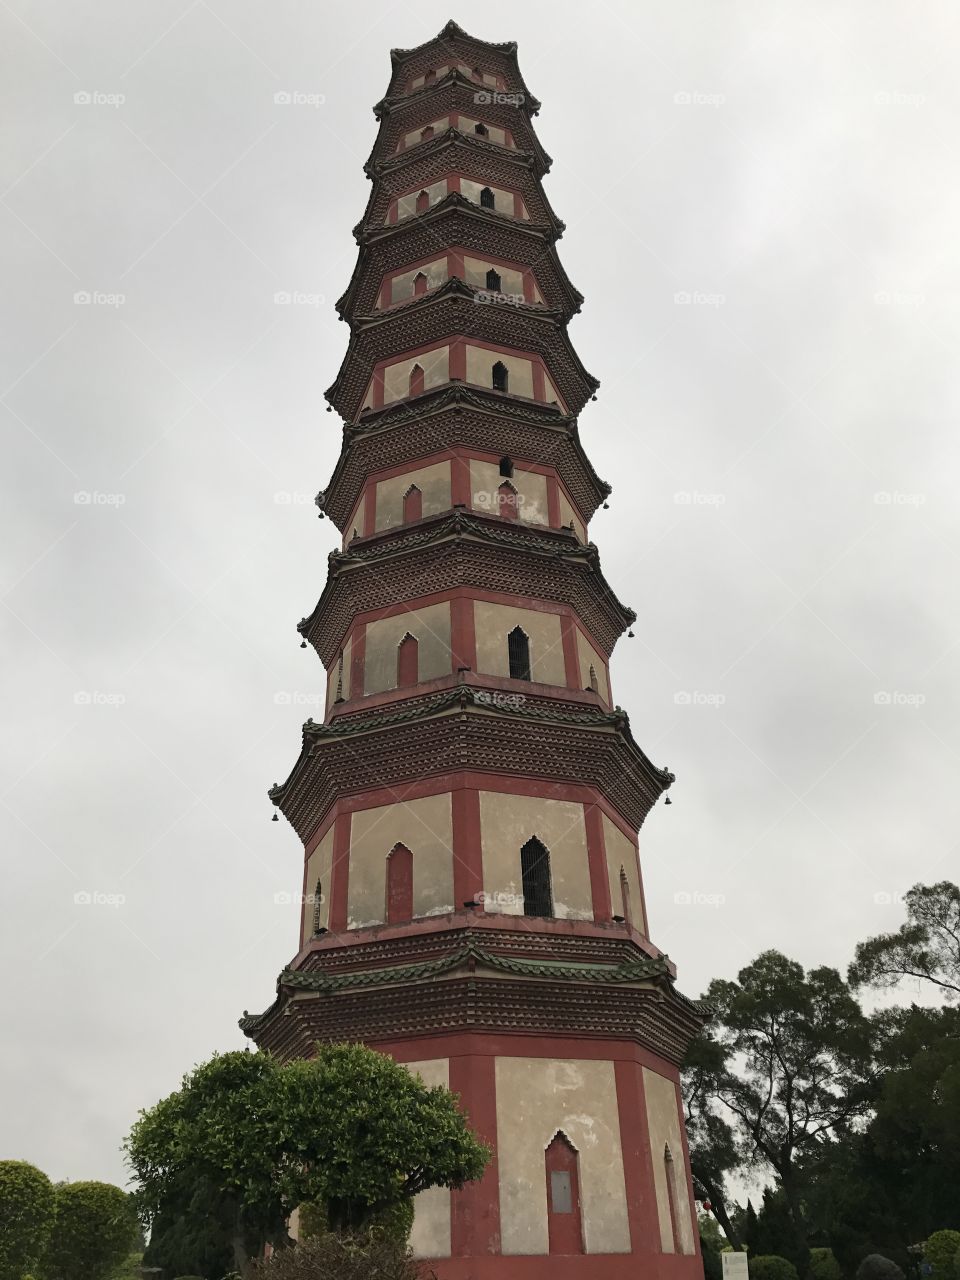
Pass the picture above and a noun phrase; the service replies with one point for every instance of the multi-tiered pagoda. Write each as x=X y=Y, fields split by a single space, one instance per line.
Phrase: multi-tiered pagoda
x=469 y=806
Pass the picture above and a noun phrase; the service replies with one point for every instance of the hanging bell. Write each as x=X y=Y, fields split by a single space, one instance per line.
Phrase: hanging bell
x=668 y=801
x=630 y=634
x=275 y=818
x=303 y=644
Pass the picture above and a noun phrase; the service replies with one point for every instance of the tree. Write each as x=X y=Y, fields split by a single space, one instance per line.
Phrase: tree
x=350 y=1129
x=823 y=1265
x=927 y=946
x=94 y=1230
x=770 y=1266
x=26 y=1217
x=795 y=1064
x=877 y=1267
x=713 y=1148
x=942 y=1251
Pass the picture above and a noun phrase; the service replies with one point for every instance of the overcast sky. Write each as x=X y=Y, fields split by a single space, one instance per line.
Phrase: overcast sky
x=792 y=168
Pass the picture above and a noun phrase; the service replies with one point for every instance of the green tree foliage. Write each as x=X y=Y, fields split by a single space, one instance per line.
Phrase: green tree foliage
x=713 y=1147
x=942 y=1251
x=927 y=946
x=94 y=1230
x=371 y=1255
x=793 y=1067
x=769 y=1266
x=193 y=1233
x=350 y=1129
x=824 y=1265
x=776 y=1232
x=877 y=1267
x=26 y=1217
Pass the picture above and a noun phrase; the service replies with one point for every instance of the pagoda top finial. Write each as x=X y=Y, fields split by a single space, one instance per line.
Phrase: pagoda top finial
x=453 y=30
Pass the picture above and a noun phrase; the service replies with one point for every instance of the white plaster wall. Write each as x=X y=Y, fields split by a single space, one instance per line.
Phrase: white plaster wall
x=494 y=132
x=318 y=868
x=413 y=137
x=475 y=271
x=535 y=1098
x=480 y=362
x=567 y=513
x=407 y=205
x=506 y=824
x=503 y=201
x=433 y=483
x=334 y=675
x=430 y=626
x=622 y=852
x=494 y=622
x=425 y=826
x=396 y=377
x=430 y=1236
x=663 y=1122
x=588 y=657
x=401 y=287
x=531 y=487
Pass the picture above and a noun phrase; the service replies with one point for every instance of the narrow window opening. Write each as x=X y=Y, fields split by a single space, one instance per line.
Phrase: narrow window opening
x=419 y=284
x=399 y=885
x=518 y=654
x=408 y=662
x=423 y=202
x=500 y=376
x=508 y=502
x=416 y=380
x=565 y=1228
x=481 y=130
x=430 y=77
x=506 y=467
x=535 y=871
x=493 y=281
x=412 y=505
x=487 y=199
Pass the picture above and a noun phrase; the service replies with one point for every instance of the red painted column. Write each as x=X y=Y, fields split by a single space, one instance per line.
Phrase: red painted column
x=475 y=1211
x=458 y=360
x=467 y=851
x=600 y=889
x=571 y=660
x=637 y=1161
x=553 y=502
x=460 y=489
x=358 y=655
x=340 y=873
x=539 y=384
x=463 y=638
x=370 y=510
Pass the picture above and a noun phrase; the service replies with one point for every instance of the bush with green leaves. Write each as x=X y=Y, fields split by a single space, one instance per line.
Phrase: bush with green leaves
x=824 y=1265
x=366 y=1255
x=876 y=1266
x=94 y=1230
x=770 y=1266
x=26 y=1217
x=942 y=1250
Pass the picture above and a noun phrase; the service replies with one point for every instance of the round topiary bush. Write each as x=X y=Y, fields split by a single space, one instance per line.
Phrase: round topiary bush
x=93 y=1232
x=941 y=1252
x=770 y=1266
x=876 y=1267
x=26 y=1217
x=823 y=1265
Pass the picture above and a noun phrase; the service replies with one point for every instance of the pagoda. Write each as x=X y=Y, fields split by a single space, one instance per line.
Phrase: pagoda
x=469 y=806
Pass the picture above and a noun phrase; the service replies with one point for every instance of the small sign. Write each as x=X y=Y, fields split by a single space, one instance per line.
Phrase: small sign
x=735 y=1266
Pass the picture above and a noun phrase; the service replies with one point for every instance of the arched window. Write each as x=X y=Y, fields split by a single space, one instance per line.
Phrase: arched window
x=500 y=376
x=669 y=1169
x=563 y=1196
x=416 y=380
x=518 y=654
x=399 y=885
x=493 y=281
x=317 y=900
x=426 y=133
x=594 y=683
x=487 y=199
x=419 y=285
x=408 y=662
x=423 y=202
x=535 y=870
x=506 y=467
x=508 y=501
x=625 y=895
x=412 y=505
x=480 y=130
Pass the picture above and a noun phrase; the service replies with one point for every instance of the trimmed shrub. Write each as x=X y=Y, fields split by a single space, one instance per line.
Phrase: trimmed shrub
x=876 y=1267
x=93 y=1232
x=26 y=1217
x=770 y=1266
x=371 y=1255
x=823 y=1265
x=941 y=1252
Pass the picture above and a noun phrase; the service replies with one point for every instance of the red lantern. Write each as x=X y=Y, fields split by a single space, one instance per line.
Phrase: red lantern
x=707 y=1206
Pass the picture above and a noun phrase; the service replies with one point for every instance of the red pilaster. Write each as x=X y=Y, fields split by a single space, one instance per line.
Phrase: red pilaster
x=340 y=873
x=475 y=1211
x=600 y=888
x=467 y=852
